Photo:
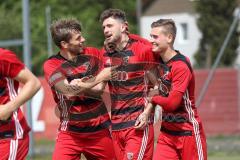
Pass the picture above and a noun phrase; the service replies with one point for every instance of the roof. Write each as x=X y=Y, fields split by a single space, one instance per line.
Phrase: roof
x=158 y=7
x=169 y=6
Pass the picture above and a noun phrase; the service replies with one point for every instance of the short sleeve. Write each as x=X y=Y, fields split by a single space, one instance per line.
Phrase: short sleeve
x=10 y=65
x=52 y=72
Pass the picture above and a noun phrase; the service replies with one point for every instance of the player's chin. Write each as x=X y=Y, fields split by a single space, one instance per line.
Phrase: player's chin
x=80 y=49
x=154 y=49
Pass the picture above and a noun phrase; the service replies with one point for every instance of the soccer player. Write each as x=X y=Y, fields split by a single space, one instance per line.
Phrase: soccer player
x=14 y=139
x=74 y=73
x=182 y=135
x=132 y=133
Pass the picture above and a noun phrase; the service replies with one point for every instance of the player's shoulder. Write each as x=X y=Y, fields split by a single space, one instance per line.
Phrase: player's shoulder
x=53 y=58
x=91 y=50
x=7 y=55
x=52 y=61
x=181 y=62
x=140 y=47
x=139 y=39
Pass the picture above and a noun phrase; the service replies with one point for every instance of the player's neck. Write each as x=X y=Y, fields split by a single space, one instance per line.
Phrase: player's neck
x=123 y=42
x=67 y=55
x=168 y=54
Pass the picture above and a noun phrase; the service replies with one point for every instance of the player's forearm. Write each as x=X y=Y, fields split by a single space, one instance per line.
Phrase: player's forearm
x=170 y=103
x=76 y=86
x=27 y=92
x=91 y=84
x=96 y=90
x=148 y=109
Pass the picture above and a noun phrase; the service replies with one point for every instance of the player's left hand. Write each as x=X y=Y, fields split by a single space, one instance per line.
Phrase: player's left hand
x=142 y=121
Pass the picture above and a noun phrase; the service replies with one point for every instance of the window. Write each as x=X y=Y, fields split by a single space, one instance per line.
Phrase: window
x=184 y=31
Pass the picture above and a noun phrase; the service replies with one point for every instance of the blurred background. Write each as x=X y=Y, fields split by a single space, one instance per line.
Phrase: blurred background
x=207 y=32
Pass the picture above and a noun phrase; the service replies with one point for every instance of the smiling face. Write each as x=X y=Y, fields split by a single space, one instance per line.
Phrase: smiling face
x=113 y=29
x=163 y=33
x=76 y=43
x=161 y=40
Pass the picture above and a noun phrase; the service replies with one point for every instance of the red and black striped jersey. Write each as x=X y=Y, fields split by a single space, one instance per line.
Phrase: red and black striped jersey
x=128 y=92
x=10 y=66
x=81 y=114
x=177 y=75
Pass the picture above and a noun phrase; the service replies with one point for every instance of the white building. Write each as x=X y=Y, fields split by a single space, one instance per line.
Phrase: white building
x=182 y=12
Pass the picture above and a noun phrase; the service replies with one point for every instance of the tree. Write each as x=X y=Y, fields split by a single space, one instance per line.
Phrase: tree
x=86 y=11
x=215 y=19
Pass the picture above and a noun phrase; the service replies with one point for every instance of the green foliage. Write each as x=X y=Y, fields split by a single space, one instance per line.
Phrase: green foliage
x=86 y=11
x=214 y=22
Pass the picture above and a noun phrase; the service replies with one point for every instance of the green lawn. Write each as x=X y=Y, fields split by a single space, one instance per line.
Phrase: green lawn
x=223 y=156
x=215 y=156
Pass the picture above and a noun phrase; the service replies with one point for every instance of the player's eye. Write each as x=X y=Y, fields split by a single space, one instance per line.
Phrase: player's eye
x=154 y=36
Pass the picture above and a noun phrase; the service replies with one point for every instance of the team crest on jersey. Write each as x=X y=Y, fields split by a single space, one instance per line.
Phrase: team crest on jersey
x=86 y=65
x=129 y=155
x=125 y=60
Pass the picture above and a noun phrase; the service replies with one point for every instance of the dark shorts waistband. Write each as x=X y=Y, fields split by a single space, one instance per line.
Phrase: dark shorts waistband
x=176 y=133
x=6 y=134
x=88 y=129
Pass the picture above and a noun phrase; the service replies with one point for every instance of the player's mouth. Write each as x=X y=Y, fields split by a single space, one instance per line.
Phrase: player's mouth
x=81 y=46
x=154 y=45
x=108 y=36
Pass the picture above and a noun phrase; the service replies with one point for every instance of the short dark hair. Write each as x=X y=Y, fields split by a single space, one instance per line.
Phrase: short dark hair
x=168 y=24
x=61 y=30
x=115 y=13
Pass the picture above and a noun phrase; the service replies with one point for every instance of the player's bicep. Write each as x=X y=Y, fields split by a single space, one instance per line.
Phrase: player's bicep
x=25 y=75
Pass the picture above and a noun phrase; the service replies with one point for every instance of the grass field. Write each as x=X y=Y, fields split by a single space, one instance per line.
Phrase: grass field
x=215 y=156
x=219 y=148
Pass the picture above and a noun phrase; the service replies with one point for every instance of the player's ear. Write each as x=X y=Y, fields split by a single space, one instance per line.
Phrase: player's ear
x=64 y=44
x=125 y=27
x=169 y=38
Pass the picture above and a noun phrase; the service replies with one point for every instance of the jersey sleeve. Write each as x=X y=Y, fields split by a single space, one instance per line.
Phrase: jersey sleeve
x=181 y=77
x=52 y=72
x=10 y=65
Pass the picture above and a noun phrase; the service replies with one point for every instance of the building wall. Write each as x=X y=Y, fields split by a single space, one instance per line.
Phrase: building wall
x=220 y=110
x=187 y=45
